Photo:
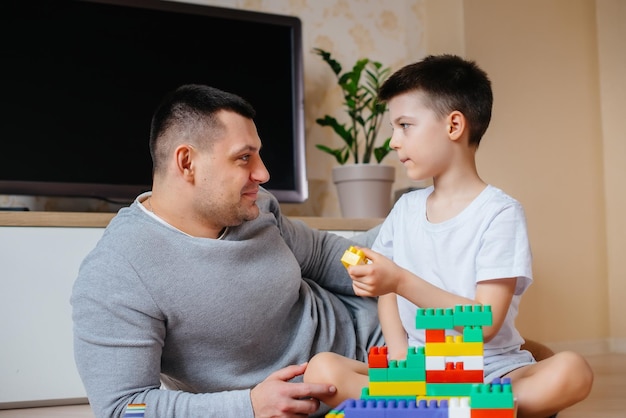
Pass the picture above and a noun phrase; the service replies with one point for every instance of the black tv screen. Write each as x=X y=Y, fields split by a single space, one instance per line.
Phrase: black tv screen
x=81 y=79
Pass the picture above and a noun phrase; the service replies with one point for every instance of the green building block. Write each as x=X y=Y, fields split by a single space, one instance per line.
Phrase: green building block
x=438 y=318
x=449 y=389
x=473 y=334
x=472 y=315
x=492 y=396
x=416 y=358
x=399 y=371
x=378 y=375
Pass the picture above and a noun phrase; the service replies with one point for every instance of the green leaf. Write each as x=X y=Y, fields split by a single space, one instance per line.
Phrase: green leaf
x=360 y=87
x=334 y=65
x=382 y=151
x=340 y=154
x=339 y=129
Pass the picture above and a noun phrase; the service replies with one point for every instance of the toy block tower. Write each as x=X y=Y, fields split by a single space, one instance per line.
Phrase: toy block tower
x=454 y=362
x=443 y=379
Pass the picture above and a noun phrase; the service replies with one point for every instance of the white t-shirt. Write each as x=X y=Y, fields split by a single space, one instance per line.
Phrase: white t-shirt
x=487 y=240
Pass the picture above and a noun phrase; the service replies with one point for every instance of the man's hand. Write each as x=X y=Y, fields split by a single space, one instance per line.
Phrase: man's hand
x=277 y=397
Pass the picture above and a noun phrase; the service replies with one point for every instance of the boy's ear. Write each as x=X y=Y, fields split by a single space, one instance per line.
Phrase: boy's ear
x=456 y=125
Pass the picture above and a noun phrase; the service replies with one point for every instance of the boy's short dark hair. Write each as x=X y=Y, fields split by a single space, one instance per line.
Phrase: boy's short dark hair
x=449 y=83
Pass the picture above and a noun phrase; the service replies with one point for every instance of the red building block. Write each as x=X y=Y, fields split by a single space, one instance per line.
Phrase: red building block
x=492 y=413
x=377 y=358
x=435 y=335
x=454 y=374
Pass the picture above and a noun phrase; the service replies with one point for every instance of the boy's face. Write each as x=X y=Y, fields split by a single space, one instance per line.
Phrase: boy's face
x=419 y=136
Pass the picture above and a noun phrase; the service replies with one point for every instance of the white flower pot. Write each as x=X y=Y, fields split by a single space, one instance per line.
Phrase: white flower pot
x=364 y=190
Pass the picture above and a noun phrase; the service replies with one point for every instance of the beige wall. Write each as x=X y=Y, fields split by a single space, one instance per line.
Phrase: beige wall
x=611 y=24
x=545 y=148
x=557 y=68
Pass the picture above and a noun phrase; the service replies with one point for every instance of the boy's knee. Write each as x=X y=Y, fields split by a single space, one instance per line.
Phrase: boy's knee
x=320 y=368
x=577 y=371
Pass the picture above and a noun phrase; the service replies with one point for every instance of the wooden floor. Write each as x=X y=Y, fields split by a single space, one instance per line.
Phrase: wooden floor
x=608 y=395
x=607 y=398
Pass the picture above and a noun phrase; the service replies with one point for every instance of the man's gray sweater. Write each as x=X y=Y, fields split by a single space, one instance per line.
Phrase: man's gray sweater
x=208 y=318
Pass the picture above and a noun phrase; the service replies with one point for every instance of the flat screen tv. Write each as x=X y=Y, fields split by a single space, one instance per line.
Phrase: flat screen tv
x=81 y=79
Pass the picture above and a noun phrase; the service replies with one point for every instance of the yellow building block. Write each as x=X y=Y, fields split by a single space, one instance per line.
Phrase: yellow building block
x=397 y=388
x=352 y=257
x=454 y=347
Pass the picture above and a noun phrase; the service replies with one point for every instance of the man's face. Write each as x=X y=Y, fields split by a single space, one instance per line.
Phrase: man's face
x=229 y=173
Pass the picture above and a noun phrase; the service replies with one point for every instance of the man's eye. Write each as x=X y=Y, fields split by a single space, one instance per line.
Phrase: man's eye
x=245 y=157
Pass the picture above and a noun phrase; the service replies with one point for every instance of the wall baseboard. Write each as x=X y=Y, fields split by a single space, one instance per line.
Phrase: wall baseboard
x=591 y=347
x=617 y=345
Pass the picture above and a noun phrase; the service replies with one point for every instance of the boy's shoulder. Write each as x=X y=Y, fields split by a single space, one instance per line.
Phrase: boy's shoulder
x=494 y=192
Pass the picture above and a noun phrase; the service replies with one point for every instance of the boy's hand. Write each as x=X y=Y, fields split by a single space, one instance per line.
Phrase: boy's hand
x=277 y=397
x=378 y=277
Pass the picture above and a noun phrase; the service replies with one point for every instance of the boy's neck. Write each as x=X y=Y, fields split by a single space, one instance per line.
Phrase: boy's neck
x=448 y=199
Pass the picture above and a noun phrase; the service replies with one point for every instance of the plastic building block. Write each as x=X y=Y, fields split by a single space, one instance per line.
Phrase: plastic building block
x=390 y=408
x=353 y=257
x=459 y=408
x=366 y=408
x=465 y=315
x=449 y=389
x=392 y=389
x=435 y=335
x=377 y=357
x=399 y=371
x=493 y=413
x=469 y=362
x=473 y=334
x=365 y=394
x=436 y=362
x=416 y=358
x=454 y=347
x=135 y=410
x=434 y=318
x=378 y=374
x=497 y=395
x=454 y=373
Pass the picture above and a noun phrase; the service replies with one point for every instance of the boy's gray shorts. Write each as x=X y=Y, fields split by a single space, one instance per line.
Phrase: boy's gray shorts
x=501 y=364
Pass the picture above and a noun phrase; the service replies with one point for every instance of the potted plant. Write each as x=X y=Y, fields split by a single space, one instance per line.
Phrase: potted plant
x=363 y=184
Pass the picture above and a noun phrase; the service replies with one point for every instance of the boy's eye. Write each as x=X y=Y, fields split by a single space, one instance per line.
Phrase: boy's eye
x=404 y=125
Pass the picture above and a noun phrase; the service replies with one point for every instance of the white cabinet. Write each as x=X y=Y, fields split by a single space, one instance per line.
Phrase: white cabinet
x=38 y=266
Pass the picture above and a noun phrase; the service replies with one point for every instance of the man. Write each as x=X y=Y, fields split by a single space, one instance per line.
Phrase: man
x=202 y=286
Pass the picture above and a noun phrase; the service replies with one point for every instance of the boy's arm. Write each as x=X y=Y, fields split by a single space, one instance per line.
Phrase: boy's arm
x=498 y=293
x=384 y=276
x=393 y=331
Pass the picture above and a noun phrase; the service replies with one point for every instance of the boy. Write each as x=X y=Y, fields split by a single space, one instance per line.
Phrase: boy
x=459 y=242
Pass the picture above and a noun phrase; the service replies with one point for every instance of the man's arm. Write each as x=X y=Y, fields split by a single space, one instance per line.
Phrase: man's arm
x=118 y=337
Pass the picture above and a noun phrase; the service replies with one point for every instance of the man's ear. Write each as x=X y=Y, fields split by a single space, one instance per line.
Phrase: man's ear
x=456 y=125
x=185 y=161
